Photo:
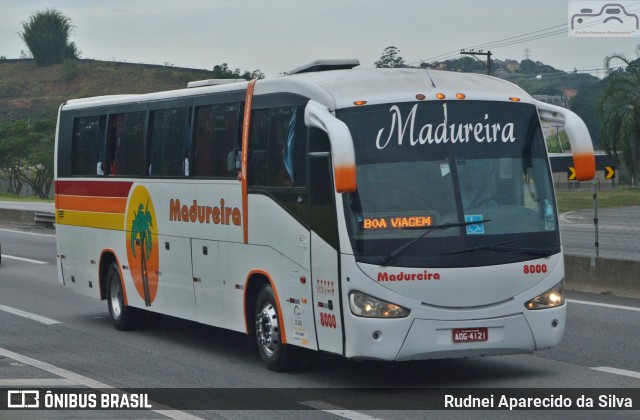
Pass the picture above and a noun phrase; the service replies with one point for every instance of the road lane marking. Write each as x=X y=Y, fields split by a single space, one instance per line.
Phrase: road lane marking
x=29 y=260
x=36 y=382
x=338 y=411
x=605 y=305
x=38 y=318
x=90 y=383
x=617 y=371
x=28 y=233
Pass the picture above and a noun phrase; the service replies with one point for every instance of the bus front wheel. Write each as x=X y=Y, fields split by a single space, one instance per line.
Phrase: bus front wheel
x=268 y=330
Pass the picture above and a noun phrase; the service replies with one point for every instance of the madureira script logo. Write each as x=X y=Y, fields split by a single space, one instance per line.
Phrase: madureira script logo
x=218 y=215
x=486 y=131
x=425 y=275
x=142 y=244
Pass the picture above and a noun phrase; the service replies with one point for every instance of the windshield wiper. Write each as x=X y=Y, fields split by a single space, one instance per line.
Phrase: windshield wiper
x=428 y=229
x=498 y=247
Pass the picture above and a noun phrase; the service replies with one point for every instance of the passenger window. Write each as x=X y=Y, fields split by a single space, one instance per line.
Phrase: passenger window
x=217 y=140
x=277 y=147
x=169 y=143
x=87 y=145
x=125 y=144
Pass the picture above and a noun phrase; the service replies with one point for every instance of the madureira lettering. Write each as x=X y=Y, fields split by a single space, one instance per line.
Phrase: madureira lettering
x=425 y=275
x=195 y=213
x=444 y=132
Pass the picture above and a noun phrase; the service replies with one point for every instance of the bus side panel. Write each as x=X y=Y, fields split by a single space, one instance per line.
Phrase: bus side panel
x=175 y=295
x=325 y=280
x=244 y=261
x=279 y=245
x=79 y=249
x=208 y=282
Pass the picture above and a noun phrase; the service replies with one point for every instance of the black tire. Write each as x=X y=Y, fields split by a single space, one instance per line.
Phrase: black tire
x=124 y=317
x=276 y=355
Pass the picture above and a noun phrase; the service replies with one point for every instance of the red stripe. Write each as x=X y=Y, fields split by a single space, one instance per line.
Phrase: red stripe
x=94 y=188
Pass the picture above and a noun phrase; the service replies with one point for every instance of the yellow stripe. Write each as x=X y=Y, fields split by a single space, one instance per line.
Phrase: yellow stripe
x=112 y=221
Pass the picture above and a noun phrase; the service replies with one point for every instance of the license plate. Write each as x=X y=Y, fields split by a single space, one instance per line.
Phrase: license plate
x=470 y=335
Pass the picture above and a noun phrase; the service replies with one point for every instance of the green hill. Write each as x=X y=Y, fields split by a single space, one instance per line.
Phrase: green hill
x=29 y=91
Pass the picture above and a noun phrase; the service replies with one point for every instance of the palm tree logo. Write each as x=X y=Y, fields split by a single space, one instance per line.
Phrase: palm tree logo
x=141 y=236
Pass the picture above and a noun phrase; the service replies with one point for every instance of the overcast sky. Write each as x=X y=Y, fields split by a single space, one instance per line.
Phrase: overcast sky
x=278 y=35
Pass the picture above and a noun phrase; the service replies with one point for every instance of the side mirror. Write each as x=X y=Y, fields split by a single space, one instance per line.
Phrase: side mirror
x=343 y=155
x=581 y=146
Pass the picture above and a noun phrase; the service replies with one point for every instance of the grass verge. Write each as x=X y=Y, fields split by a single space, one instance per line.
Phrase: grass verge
x=13 y=197
x=581 y=200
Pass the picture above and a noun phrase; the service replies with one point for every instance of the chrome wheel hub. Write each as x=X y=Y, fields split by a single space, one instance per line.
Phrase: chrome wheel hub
x=114 y=295
x=267 y=329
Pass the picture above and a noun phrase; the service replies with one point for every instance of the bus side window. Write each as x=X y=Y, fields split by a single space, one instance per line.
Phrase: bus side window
x=258 y=143
x=216 y=140
x=125 y=144
x=114 y=129
x=203 y=133
x=227 y=140
x=169 y=141
x=277 y=147
x=318 y=141
x=87 y=145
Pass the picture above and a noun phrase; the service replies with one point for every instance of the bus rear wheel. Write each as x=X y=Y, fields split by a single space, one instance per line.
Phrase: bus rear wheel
x=123 y=317
x=276 y=355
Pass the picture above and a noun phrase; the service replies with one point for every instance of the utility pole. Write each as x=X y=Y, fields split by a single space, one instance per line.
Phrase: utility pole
x=487 y=54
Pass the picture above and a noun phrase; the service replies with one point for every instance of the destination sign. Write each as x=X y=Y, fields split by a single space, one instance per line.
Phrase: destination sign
x=396 y=222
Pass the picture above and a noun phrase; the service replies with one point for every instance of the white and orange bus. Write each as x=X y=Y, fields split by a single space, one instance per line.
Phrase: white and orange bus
x=390 y=214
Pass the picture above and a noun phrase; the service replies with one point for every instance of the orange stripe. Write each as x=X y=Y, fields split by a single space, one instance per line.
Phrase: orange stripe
x=96 y=204
x=246 y=124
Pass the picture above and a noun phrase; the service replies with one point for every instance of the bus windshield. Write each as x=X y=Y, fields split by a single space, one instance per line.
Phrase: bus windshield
x=426 y=164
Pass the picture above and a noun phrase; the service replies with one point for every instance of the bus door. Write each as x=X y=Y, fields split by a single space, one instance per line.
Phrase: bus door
x=325 y=270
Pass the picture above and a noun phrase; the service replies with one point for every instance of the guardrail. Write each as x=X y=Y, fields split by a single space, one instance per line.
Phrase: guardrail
x=44 y=218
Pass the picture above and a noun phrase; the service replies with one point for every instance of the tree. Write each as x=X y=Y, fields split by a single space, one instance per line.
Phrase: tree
x=620 y=114
x=222 y=71
x=46 y=34
x=390 y=58
x=26 y=155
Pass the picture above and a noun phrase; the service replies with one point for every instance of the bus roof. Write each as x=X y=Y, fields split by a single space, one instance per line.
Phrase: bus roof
x=380 y=86
x=338 y=89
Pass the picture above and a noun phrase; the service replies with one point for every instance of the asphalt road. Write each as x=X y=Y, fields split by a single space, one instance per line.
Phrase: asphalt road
x=75 y=345
x=618 y=233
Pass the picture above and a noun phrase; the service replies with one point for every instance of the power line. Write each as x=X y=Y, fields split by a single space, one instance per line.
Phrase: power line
x=516 y=39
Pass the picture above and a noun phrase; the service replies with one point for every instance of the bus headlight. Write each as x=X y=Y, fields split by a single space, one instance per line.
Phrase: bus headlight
x=367 y=306
x=549 y=299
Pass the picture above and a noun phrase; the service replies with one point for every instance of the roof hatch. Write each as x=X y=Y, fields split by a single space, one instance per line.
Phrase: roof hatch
x=324 y=65
x=212 y=82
